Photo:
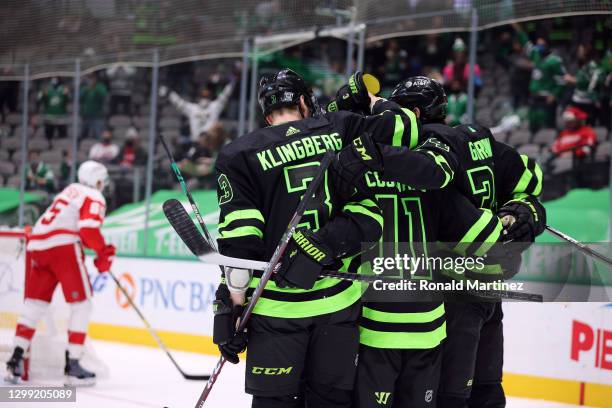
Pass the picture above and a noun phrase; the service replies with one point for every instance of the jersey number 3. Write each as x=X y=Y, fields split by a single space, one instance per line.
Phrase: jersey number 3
x=296 y=179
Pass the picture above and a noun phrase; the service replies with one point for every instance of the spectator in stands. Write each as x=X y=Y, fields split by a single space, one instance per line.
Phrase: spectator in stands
x=38 y=175
x=204 y=114
x=93 y=97
x=132 y=153
x=199 y=160
x=395 y=64
x=548 y=79
x=432 y=50
x=54 y=99
x=588 y=82
x=121 y=80
x=520 y=74
x=456 y=109
x=104 y=151
x=576 y=135
x=65 y=167
x=459 y=70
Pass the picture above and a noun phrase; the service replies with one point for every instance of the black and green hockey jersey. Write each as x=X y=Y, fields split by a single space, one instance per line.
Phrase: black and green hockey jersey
x=261 y=179
x=489 y=172
x=417 y=217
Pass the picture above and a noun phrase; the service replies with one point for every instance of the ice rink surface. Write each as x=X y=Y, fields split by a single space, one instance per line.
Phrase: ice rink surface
x=144 y=377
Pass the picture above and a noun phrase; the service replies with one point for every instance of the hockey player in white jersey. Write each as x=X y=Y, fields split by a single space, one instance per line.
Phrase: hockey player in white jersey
x=204 y=114
x=55 y=249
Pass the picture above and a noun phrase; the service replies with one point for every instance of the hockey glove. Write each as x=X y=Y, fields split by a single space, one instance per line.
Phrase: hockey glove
x=523 y=220
x=352 y=97
x=353 y=161
x=105 y=258
x=230 y=342
x=303 y=260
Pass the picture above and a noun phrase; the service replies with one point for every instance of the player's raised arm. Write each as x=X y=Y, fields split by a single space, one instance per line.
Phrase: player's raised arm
x=404 y=153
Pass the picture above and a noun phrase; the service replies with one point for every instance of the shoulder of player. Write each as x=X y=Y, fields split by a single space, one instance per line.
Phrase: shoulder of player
x=340 y=117
x=251 y=141
x=84 y=193
x=449 y=135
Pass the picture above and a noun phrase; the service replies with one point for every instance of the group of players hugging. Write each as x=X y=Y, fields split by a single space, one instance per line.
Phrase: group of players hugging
x=399 y=175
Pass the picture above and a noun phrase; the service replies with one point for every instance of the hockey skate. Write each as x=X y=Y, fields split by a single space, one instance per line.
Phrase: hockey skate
x=76 y=375
x=15 y=366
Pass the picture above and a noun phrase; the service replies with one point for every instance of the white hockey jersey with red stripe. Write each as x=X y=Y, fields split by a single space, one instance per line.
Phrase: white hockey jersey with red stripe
x=77 y=206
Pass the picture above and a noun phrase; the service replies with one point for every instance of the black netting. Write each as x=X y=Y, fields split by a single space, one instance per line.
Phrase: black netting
x=51 y=34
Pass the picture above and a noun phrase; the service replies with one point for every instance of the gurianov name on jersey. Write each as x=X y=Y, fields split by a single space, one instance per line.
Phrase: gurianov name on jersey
x=297 y=149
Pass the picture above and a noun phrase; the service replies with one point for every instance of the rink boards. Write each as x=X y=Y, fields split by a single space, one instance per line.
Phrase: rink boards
x=556 y=351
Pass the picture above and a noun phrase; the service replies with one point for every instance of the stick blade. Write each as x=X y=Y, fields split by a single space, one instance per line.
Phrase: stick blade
x=193 y=377
x=185 y=228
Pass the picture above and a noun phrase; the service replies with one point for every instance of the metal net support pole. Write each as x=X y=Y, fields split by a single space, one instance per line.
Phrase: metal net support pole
x=151 y=148
x=244 y=77
x=24 y=143
x=76 y=103
x=253 y=100
x=361 y=49
x=472 y=62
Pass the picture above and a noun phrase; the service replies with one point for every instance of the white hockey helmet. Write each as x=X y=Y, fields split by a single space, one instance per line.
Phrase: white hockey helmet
x=91 y=172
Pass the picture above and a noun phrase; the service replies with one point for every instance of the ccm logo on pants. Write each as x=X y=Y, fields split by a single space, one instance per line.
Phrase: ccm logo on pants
x=271 y=370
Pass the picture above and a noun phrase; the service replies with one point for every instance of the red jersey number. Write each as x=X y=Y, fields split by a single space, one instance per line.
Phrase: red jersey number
x=53 y=211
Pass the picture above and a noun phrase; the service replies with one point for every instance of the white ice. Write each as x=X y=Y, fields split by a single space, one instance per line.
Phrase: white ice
x=144 y=377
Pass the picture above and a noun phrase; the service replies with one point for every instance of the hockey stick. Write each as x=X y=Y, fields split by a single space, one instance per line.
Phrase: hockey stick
x=582 y=247
x=267 y=274
x=181 y=181
x=188 y=232
x=154 y=333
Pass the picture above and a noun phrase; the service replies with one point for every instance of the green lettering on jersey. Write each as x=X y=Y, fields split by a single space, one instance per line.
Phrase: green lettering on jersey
x=480 y=149
x=308 y=146
x=265 y=165
x=298 y=149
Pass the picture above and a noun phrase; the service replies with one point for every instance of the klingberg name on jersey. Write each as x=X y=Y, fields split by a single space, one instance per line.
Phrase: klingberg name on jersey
x=297 y=149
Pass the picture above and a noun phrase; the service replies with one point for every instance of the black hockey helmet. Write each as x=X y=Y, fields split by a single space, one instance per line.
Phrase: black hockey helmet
x=284 y=89
x=424 y=93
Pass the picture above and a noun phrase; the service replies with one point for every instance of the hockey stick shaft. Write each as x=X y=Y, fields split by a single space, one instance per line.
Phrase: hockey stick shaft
x=181 y=180
x=197 y=244
x=582 y=247
x=216 y=258
x=154 y=333
x=269 y=270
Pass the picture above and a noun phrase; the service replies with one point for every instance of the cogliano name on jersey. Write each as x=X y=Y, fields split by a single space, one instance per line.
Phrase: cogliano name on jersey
x=298 y=149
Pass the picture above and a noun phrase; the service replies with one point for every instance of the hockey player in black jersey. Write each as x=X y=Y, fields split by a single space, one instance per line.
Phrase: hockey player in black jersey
x=493 y=176
x=400 y=353
x=401 y=336
x=303 y=335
